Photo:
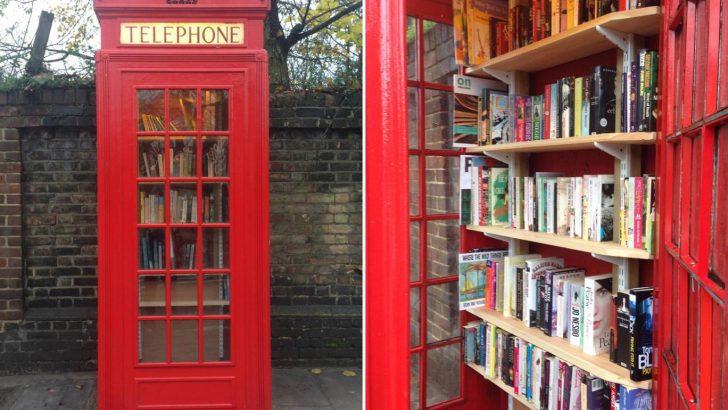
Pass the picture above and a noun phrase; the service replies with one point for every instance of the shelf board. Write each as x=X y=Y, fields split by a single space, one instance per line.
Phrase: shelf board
x=577 y=244
x=599 y=366
x=578 y=42
x=508 y=389
x=569 y=144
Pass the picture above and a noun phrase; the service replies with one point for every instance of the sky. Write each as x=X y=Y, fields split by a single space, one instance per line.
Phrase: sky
x=14 y=13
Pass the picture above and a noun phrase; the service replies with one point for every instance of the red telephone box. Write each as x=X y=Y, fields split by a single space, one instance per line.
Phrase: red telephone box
x=183 y=213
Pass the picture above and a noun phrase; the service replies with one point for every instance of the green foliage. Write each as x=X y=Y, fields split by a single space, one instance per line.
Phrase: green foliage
x=44 y=81
x=330 y=58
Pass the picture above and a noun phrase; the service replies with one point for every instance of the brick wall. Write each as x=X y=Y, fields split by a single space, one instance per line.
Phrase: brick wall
x=48 y=256
x=316 y=228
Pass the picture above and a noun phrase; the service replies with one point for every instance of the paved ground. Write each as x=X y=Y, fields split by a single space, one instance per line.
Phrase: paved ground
x=293 y=388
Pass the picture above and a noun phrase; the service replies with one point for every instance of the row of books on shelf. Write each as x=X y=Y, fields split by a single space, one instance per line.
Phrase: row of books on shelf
x=564 y=303
x=151 y=252
x=571 y=107
x=544 y=380
x=578 y=207
x=183 y=207
x=484 y=29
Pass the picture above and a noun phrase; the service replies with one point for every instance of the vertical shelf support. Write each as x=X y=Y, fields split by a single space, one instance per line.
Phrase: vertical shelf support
x=510 y=241
x=627 y=270
x=621 y=152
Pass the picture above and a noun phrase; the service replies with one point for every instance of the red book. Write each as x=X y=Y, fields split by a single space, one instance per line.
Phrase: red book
x=516 y=352
x=520 y=118
x=536 y=19
x=545 y=133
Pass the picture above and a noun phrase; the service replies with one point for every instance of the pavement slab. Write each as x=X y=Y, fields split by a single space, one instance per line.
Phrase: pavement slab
x=293 y=388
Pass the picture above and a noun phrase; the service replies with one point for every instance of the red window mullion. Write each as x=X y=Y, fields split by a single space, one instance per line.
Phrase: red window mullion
x=706 y=182
x=200 y=201
x=688 y=64
x=713 y=54
x=167 y=230
x=685 y=185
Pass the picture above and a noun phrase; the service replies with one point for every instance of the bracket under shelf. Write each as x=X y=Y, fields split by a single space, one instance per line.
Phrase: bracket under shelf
x=504 y=76
x=622 y=152
x=510 y=241
x=626 y=276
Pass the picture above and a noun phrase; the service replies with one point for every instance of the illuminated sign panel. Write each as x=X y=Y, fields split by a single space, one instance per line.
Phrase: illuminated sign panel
x=167 y=34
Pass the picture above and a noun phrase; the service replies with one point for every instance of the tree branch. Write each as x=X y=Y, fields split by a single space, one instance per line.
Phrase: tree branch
x=295 y=38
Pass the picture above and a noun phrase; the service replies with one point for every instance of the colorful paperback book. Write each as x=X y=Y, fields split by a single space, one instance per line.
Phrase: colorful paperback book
x=597 y=306
x=641 y=313
x=576 y=311
x=498 y=194
x=537 y=117
x=563 y=209
x=471 y=277
x=634 y=398
x=536 y=269
x=458 y=11
x=480 y=38
x=466 y=93
x=468 y=163
x=499 y=121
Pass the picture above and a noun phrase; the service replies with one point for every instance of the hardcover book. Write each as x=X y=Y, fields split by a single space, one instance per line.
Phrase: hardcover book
x=536 y=269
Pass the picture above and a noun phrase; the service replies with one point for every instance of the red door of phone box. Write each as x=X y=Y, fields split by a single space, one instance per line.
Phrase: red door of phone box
x=182 y=97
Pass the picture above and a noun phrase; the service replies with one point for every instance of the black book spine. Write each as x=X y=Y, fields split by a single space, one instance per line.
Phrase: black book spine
x=641 y=100
x=594 y=98
x=606 y=104
x=572 y=110
x=653 y=95
x=560 y=108
x=623 y=330
x=633 y=100
x=545 y=324
x=538 y=322
x=641 y=340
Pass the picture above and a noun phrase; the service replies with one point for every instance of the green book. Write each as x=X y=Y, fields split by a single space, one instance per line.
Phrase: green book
x=498 y=196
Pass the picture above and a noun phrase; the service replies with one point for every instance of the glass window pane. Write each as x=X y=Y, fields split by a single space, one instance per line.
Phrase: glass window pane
x=183 y=294
x=216 y=342
x=151 y=157
x=184 y=248
x=152 y=341
x=719 y=240
x=151 y=203
x=676 y=184
x=442 y=184
x=443 y=244
x=184 y=341
x=412 y=48
x=216 y=295
x=183 y=155
x=414 y=185
x=415 y=317
x=215 y=202
x=414 y=251
x=443 y=374
x=439 y=58
x=152 y=295
x=215 y=248
x=438 y=119
x=182 y=110
x=214 y=156
x=214 y=110
x=151 y=249
x=151 y=110
x=183 y=203
x=413 y=117
x=443 y=314
x=696 y=167
x=415 y=381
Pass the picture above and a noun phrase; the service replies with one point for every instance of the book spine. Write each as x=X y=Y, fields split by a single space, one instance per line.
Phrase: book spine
x=642 y=102
x=528 y=118
x=546 y=112
x=585 y=105
x=578 y=94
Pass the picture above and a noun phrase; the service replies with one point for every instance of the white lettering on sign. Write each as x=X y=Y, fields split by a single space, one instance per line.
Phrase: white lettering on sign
x=182 y=33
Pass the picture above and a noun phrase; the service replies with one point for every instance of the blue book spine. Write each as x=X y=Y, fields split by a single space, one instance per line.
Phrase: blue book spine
x=529 y=366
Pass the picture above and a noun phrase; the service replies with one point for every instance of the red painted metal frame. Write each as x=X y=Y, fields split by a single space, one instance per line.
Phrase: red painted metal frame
x=243 y=71
x=386 y=208
x=684 y=274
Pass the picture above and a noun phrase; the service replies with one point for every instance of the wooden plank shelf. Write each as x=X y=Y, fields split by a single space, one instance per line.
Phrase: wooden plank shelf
x=599 y=366
x=569 y=144
x=601 y=248
x=578 y=42
x=508 y=389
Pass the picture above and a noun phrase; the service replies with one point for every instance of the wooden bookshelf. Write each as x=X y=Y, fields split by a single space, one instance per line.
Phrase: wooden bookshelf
x=601 y=248
x=599 y=366
x=569 y=144
x=578 y=42
x=508 y=389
